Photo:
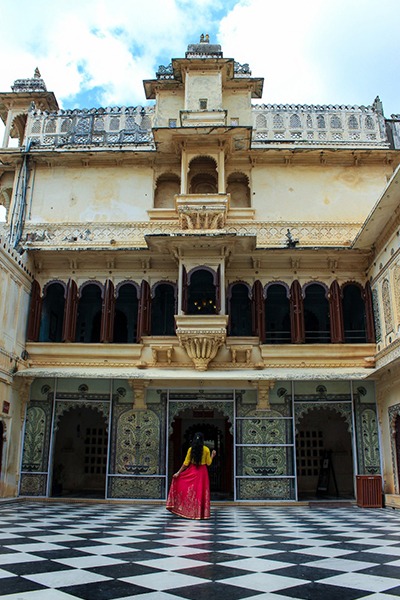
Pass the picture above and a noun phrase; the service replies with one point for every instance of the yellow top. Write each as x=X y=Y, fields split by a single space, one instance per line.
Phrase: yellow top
x=205 y=458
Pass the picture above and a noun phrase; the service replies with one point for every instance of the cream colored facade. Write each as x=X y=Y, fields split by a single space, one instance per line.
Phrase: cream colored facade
x=203 y=261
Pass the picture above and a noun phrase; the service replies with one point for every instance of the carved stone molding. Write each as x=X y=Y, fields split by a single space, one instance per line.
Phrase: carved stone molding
x=201 y=336
x=202 y=211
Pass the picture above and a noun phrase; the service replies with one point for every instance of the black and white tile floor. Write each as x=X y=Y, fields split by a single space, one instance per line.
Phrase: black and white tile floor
x=64 y=551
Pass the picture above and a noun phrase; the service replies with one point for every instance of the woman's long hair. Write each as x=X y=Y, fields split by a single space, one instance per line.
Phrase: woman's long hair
x=197 y=448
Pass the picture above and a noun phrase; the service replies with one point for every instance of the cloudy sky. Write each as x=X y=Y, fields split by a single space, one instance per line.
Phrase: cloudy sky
x=97 y=52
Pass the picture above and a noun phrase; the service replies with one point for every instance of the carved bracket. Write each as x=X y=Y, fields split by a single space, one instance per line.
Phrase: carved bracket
x=139 y=393
x=263 y=389
x=201 y=336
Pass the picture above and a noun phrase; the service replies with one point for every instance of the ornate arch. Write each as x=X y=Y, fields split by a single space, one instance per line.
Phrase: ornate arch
x=127 y=282
x=320 y=283
x=177 y=407
x=203 y=268
x=64 y=406
x=341 y=408
x=90 y=282
x=163 y=282
x=279 y=282
x=52 y=282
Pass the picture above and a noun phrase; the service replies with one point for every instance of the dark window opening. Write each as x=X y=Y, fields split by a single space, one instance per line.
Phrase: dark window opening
x=354 y=315
x=51 y=323
x=126 y=314
x=163 y=310
x=89 y=315
x=202 y=294
x=240 y=311
x=316 y=315
x=277 y=315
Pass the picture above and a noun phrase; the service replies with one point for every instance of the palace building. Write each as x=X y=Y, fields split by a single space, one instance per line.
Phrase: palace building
x=201 y=263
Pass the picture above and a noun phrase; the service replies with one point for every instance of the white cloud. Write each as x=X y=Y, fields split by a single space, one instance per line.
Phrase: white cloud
x=308 y=52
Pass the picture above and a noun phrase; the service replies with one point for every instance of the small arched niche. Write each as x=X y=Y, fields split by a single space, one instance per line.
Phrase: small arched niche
x=238 y=188
x=167 y=186
x=203 y=176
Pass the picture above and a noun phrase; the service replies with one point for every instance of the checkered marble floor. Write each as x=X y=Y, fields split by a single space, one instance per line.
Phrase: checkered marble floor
x=64 y=551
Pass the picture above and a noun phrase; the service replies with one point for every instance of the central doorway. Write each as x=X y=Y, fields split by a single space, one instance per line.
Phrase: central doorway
x=217 y=430
x=80 y=454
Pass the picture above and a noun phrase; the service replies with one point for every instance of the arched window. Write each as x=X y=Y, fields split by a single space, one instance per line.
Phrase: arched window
x=261 y=122
x=163 y=310
x=295 y=121
x=277 y=315
x=167 y=186
x=238 y=188
x=126 y=313
x=239 y=310
x=354 y=314
x=89 y=314
x=202 y=296
x=203 y=177
x=52 y=316
x=316 y=315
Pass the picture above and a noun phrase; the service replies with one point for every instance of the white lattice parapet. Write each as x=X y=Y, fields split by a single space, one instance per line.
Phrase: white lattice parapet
x=122 y=235
x=314 y=125
x=95 y=127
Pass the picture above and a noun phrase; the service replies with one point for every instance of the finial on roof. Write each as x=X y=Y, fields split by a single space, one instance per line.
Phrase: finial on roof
x=37 y=74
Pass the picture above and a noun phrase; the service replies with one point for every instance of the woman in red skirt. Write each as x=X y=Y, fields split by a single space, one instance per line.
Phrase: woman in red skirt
x=189 y=494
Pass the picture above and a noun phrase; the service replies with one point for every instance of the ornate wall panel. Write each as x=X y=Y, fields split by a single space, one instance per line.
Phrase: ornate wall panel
x=394 y=413
x=387 y=308
x=265 y=489
x=136 y=487
x=33 y=484
x=367 y=438
x=35 y=454
x=396 y=289
x=137 y=449
x=377 y=320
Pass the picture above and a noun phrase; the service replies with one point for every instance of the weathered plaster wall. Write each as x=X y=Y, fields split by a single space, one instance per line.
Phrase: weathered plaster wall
x=205 y=85
x=316 y=193
x=15 y=284
x=169 y=104
x=238 y=104
x=388 y=394
x=92 y=194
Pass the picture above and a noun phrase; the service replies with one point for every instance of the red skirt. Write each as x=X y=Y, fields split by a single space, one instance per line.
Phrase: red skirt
x=189 y=494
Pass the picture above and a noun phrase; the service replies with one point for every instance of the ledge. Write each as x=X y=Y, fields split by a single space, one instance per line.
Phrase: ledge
x=318 y=355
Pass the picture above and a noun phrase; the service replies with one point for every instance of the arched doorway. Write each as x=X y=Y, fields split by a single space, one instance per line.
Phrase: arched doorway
x=216 y=428
x=80 y=454
x=324 y=456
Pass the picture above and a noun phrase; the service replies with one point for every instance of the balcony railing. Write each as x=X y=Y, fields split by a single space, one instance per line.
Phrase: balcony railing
x=95 y=127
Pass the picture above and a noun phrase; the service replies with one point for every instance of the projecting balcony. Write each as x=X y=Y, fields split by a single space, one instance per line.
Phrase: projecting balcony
x=202 y=211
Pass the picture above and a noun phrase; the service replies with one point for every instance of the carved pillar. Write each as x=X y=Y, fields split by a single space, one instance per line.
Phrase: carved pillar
x=107 y=313
x=144 y=310
x=258 y=311
x=139 y=386
x=263 y=389
x=296 y=313
x=336 y=314
x=23 y=386
x=221 y=171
